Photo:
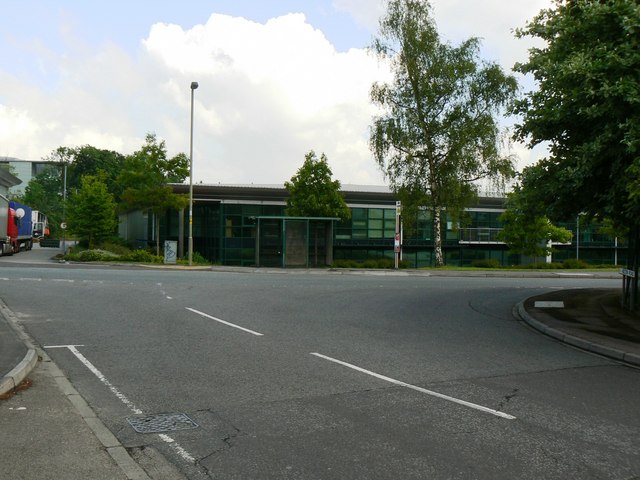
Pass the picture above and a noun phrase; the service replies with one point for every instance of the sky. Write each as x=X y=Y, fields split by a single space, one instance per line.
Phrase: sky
x=276 y=78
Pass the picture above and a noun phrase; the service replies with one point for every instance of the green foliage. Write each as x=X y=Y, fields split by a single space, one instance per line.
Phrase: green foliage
x=88 y=160
x=92 y=211
x=198 y=259
x=145 y=178
x=141 y=256
x=146 y=175
x=575 y=264
x=116 y=246
x=440 y=131
x=586 y=107
x=312 y=192
x=527 y=233
x=97 y=255
x=372 y=263
x=486 y=263
x=45 y=191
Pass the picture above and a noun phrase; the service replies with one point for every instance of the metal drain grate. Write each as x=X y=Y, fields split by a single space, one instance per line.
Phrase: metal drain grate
x=165 y=422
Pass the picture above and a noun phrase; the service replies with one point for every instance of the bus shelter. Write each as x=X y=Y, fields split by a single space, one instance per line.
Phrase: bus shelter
x=294 y=241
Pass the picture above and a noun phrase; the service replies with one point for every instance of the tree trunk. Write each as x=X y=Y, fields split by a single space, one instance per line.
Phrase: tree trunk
x=437 y=236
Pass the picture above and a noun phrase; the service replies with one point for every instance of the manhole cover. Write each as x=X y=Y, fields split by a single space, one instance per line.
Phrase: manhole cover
x=165 y=422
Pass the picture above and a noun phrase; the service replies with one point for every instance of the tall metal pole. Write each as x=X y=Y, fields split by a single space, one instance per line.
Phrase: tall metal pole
x=64 y=212
x=194 y=85
x=578 y=237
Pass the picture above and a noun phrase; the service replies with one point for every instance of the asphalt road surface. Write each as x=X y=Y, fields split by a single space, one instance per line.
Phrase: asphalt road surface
x=324 y=376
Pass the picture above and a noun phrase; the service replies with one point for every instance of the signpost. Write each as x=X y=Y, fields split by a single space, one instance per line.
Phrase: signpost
x=397 y=242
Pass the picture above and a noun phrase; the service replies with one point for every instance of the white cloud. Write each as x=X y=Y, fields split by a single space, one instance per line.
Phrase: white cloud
x=269 y=93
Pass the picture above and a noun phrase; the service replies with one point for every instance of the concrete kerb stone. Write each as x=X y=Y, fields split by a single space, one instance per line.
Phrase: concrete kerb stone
x=612 y=353
x=129 y=467
x=12 y=379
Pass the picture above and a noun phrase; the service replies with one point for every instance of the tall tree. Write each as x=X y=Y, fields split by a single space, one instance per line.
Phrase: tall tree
x=89 y=160
x=439 y=132
x=145 y=178
x=45 y=191
x=92 y=211
x=527 y=234
x=313 y=193
x=587 y=106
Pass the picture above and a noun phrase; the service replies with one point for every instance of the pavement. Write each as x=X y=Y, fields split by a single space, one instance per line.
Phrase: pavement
x=47 y=430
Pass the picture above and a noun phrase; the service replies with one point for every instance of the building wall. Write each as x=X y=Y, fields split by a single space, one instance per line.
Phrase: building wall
x=25 y=170
x=224 y=231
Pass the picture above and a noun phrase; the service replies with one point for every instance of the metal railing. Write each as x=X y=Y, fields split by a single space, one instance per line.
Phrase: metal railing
x=480 y=235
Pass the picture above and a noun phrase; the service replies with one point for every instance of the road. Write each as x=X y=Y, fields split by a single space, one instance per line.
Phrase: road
x=323 y=376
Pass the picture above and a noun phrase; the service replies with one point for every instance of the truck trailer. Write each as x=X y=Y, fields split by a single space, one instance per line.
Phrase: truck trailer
x=16 y=230
x=39 y=224
x=5 y=241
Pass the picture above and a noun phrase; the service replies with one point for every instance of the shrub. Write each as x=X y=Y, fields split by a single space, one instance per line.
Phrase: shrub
x=141 y=256
x=370 y=263
x=574 y=263
x=385 y=263
x=486 y=263
x=381 y=263
x=199 y=259
x=90 y=256
x=343 y=263
x=117 y=247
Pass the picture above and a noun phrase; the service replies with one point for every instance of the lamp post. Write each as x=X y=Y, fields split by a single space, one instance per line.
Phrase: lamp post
x=194 y=85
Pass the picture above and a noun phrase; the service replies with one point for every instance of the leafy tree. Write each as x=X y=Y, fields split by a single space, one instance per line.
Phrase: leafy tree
x=587 y=106
x=89 y=160
x=312 y=192
x=145 y=178
x=92 y=211
x=45 y=191
x=439 y=133
x=529 y=235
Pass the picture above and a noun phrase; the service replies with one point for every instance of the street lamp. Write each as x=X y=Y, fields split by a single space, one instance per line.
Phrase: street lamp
x=194 y=85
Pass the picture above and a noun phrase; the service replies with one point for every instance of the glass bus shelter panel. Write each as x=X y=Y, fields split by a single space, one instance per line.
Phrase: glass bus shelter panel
x=319 y=238
x=296 y=244
x=270 y=249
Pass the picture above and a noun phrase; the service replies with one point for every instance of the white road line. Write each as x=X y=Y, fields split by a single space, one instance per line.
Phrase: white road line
x=178 y=449
x=101 y=377
x=61 y=346
x=165 y=438
x=224 y=322
x=418 y=389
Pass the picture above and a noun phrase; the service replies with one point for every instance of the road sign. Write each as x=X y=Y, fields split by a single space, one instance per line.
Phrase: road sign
x=628 y=273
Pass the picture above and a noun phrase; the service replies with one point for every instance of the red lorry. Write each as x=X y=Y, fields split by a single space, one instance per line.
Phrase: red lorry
x=16 y=230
